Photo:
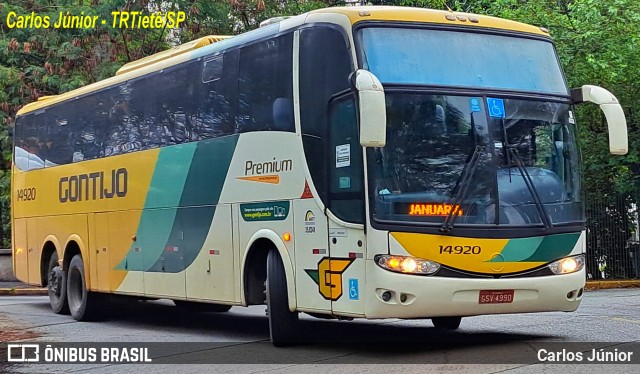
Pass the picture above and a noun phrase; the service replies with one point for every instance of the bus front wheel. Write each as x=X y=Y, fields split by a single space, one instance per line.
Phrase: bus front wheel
x=282 y=321
x=83 y=305
x=57 y=286
x=446 y=323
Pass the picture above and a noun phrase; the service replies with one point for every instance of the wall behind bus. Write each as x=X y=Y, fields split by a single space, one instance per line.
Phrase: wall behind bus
x=6 y=266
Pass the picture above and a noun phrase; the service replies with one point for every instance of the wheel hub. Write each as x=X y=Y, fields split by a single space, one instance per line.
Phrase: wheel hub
x=55 y=280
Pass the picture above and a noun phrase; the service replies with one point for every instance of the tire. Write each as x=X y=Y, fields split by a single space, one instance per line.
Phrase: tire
x=282 y=322
x=194 y=307
x=57 y=286
x=446 y=323
x=83 y=305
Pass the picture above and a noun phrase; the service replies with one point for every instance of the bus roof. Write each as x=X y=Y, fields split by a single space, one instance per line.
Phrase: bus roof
x=423 y=15
x=182 y=48
x=356 y=14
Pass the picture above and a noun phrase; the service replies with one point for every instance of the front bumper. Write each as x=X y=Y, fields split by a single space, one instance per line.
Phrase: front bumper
x=414 y=296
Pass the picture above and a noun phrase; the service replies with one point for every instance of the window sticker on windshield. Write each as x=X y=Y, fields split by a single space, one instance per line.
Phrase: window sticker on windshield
x=571 y=119
x=343 y=155
x=475 y=104
x=495 y=107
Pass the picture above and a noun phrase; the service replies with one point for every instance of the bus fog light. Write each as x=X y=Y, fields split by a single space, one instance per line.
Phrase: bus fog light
x=567 y=265
x=408 y=265
x=386 y=296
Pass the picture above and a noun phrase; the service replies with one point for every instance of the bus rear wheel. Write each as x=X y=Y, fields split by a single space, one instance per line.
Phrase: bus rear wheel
x=57 y=286
x=83 y=305
x=446 y=323
x=282 y=322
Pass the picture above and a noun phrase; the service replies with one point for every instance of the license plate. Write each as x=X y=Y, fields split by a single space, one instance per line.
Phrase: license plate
x=495 y=297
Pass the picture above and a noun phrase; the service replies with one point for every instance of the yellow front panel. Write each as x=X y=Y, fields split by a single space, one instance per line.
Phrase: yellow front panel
x=488 y=256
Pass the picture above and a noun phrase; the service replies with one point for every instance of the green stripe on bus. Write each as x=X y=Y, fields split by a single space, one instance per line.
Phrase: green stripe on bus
x=518 y=250
x=554 y=247
x=538 y=248
x=201 y=193
x=157 y=220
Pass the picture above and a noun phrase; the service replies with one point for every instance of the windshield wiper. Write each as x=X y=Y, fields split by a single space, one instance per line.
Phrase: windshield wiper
x=506 y=146
x=463 y=190
x=511 y=154
x=530 y=186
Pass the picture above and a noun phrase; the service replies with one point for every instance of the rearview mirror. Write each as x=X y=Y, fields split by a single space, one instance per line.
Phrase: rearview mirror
x=616 y=121
x=372 y=108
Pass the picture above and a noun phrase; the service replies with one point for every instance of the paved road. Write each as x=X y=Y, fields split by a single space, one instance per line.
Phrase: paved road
x=608 y=316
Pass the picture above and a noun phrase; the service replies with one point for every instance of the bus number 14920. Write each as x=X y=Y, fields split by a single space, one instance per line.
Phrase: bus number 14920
x=460 y=249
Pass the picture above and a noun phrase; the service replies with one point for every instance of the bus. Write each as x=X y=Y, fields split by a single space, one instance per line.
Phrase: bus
x=355 y=162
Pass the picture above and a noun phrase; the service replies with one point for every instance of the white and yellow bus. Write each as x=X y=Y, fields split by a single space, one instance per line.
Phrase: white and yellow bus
x=358 y=162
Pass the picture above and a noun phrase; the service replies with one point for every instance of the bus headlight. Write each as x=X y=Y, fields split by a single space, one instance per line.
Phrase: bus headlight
x=408 y=265
x=567 y=265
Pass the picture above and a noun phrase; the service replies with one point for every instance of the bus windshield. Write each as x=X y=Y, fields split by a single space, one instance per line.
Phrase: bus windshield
x=464 y=59
x=485 y=160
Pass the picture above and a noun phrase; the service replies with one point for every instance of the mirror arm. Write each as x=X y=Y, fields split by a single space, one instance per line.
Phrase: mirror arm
x=616 y=121
x=576 y=95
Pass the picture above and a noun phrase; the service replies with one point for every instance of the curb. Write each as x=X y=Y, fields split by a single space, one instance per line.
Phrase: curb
x=605 y=285
x=23 y=291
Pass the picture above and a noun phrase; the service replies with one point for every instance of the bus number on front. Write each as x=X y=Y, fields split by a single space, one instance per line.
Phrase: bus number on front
x=460 y=249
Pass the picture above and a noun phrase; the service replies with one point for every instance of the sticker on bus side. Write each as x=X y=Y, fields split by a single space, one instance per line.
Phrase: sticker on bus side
x=343 y=155
x=328 y=277
x=271 y=211
x=474 y=102
x=309 y=223
x=354 y=292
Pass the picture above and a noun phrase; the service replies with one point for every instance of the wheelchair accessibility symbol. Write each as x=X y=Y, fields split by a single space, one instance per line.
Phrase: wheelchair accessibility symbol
x=353 y=289
x=496 y=107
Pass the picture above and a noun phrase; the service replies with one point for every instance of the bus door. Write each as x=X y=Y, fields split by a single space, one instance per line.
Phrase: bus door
x=20 y=249
x=99 y=262
x=211 y=275
x=346 y=209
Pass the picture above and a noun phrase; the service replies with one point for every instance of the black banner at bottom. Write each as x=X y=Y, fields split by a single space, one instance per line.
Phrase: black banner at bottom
x=326 y=353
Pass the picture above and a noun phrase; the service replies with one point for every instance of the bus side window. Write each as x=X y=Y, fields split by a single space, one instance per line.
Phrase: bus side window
x=92 y=121
x=264 y=75
x=60 y=126
x=216 y=95
x=170 y=105
x=29 y=142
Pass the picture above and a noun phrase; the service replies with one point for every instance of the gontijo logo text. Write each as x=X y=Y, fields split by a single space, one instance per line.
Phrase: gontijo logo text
x=93 y=186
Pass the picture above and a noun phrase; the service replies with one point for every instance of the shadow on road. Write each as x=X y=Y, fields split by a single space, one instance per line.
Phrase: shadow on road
x=242 y=336
x=315 y=331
